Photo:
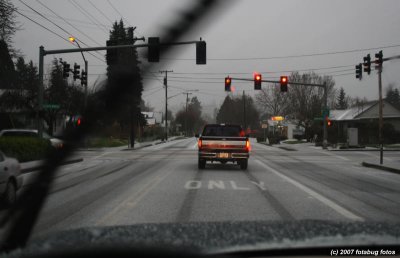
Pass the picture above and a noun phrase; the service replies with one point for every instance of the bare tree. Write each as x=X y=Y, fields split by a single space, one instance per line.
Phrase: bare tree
x=271 y=101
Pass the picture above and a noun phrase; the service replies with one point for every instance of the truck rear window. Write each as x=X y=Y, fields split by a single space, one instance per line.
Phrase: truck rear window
x=220 y=130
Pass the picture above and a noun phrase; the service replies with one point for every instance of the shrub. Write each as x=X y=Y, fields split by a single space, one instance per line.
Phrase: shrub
x=25 y=148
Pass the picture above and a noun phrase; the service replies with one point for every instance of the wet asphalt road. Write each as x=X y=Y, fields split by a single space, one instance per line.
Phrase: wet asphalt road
x=162 y=183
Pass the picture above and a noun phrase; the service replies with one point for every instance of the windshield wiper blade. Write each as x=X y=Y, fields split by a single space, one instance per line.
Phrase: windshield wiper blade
x=26 y=211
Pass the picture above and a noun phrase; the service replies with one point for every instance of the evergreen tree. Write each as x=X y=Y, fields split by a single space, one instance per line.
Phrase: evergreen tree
x=7 y=71
x=393 y=96
x=342 y=102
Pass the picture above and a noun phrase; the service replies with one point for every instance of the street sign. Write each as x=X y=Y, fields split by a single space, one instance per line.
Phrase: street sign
x=264 y=126
x=325 y=112
x=51 y=106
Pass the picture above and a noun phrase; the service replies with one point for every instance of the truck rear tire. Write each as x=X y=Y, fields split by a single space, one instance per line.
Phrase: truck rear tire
x=202 y=164
x=243 y=164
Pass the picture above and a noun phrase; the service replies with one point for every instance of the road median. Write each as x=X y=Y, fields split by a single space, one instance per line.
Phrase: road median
x=381 y=167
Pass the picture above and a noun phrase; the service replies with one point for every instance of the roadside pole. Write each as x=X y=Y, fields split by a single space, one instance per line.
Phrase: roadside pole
x=380 y=113
x=166 y=101
x=39 y=111
x=86 y=84
x=244 y=112
x=325 y=139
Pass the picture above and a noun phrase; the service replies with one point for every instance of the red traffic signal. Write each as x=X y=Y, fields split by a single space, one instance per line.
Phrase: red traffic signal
x=257 y=81
x=284 y=83
x=328 y=122
x=228 y=82
x=78 y=122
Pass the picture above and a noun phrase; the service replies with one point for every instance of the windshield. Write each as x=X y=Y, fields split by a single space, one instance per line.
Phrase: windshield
x=300 y=101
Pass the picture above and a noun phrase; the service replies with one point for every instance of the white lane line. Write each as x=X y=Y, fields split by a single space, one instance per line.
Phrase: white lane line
x=326 y=201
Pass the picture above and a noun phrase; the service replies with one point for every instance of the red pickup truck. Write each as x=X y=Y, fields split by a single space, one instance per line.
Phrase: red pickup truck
x=223 y=143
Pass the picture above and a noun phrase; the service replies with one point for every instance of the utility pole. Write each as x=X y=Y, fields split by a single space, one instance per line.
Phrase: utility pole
x=186 y=113
x=325 y=136
x=380 y=112
x=244 y=112
x=166 y=101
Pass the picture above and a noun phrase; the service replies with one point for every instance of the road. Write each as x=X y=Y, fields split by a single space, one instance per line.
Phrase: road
x=162 y=183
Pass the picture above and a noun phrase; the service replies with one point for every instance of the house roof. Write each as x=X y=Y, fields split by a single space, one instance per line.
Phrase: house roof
x=360 y=112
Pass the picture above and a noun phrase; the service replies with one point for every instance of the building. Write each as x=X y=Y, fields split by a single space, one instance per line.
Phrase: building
x=366 y=119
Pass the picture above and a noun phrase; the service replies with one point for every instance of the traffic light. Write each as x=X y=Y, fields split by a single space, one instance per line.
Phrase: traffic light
x=66 y=70
x=112 y=54
x=83 y=78
x=284 y=83
x=257 y=81
x=201 y=53
x=328 y=122
x=379 y=58
x=76 y=71
x=228 y=82
x=367 y=64
x=153 y=54
x=359 y=71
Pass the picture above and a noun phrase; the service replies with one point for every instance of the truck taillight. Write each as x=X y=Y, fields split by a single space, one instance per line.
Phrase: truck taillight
x=199 y=143
x=248 y=145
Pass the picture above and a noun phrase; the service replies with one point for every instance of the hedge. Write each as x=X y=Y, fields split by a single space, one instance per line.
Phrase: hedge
x=25 y=148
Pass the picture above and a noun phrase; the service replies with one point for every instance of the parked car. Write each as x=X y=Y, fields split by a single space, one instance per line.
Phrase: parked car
x=55 y=142
x=10 y=180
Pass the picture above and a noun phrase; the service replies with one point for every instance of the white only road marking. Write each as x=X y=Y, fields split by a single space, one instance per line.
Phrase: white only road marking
x=221 y=185
x=324 y=200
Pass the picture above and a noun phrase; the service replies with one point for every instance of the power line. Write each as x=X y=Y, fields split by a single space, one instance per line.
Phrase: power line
x=82 y=11
x=62 y=18
x=43 y=26
x=90 y=2
x=289 y=56
x=68 y=33
x=86 y=23
x=116 y=10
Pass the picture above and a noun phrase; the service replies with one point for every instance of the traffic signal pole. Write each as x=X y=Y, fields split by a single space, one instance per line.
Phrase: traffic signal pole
x=43 y=53
x=166 y=101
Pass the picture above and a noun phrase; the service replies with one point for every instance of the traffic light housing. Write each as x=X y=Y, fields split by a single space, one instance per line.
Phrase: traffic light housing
x=359 y=71
x=83 y=78
x=112 y=54
x=379 y=58
x=367 y=64
x=201 y=53
x=328 y=122
x=76 y=71
x=153 y=54
x=284 y=83
x=66 y=70
x=228 y=82
x=257 y=81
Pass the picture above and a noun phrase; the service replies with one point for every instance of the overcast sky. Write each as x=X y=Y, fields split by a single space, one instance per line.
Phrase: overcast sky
x=270 y=30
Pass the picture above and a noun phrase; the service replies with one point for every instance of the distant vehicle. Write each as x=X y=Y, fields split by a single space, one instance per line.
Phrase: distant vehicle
x=10 y=180
x=223 y=143
x=55 y=142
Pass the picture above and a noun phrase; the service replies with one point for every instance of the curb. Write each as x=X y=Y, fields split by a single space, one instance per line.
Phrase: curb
x=34 y=168
x=381 y=167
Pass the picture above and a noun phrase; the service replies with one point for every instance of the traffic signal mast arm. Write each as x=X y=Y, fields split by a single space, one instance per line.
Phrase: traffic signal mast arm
x=88 y=49
x=271 y=81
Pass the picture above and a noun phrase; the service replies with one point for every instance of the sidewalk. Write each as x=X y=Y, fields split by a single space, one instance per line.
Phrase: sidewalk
x=38 y=164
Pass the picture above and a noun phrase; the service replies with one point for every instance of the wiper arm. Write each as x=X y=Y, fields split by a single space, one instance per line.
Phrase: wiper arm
x=26 y=211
